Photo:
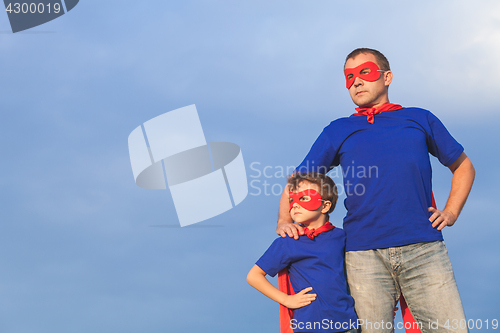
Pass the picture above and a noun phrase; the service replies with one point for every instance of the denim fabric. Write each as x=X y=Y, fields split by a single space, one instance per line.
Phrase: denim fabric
x=421 y=271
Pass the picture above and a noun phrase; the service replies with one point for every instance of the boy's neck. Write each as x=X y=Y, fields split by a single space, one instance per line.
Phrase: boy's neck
x=316 y=224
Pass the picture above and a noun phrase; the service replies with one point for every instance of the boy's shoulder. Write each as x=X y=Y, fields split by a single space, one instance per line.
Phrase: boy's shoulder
x=331 y=235
x=335 y=234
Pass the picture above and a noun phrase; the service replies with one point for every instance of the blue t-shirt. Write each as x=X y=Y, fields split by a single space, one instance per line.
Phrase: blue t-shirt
x=387 y=174
x=316 y=263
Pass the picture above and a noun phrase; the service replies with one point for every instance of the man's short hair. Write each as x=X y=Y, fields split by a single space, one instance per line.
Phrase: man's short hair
x=381 y=59
x=327 y=187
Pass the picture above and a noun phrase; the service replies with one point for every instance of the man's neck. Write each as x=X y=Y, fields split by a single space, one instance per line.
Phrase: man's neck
x=377 y=105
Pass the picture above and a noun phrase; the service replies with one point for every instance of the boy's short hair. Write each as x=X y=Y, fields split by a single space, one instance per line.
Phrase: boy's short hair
x=328 y=189
x=381 y=59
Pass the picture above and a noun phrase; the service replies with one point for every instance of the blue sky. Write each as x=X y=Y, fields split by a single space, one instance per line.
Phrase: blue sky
x=83 y=249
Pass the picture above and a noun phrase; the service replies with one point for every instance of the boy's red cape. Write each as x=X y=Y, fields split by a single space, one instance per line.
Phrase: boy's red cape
x=286 y=314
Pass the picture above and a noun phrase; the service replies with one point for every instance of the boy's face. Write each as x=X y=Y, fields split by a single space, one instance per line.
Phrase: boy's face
x=304 y=216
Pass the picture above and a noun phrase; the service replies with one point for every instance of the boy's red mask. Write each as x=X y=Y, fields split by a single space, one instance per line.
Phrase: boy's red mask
x=313 y=203
x=352 y=73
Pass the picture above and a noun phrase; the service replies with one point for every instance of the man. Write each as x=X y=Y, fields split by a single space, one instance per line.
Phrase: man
x=394 y=241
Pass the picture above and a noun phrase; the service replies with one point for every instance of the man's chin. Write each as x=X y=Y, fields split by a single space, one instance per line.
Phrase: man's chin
x=363 y=105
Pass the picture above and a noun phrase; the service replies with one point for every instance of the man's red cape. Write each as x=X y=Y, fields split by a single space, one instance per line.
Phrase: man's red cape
x=286 y=314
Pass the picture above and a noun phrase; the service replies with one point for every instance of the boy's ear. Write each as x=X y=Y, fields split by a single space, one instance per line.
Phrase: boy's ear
x=326 y=207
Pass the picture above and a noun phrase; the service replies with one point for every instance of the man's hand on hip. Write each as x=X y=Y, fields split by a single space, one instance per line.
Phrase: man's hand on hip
x=441 y=218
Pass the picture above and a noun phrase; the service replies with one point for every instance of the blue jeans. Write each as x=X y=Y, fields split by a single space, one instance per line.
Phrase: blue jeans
x=422 y=272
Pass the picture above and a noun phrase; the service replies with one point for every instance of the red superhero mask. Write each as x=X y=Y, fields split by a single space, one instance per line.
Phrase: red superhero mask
x=368 y=71
x=308 y=199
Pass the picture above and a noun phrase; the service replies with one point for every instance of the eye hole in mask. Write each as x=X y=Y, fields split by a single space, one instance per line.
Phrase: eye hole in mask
x=368 y=71
x=308 y=199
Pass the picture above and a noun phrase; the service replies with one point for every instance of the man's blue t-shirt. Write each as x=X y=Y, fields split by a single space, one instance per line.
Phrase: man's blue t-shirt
x=387 y=174
x=316 y=263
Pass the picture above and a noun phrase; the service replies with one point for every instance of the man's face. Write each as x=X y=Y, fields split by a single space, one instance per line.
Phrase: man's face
x=365 y=93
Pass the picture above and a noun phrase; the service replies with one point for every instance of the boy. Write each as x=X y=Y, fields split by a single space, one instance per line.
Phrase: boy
x=315 y=261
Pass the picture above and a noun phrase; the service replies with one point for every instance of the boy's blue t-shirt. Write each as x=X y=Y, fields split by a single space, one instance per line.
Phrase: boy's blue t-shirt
x=316 y=263
x=387 y=174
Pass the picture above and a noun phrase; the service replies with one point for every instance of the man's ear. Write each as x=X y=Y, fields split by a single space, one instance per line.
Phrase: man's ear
x=387 y=78
x=326 y=207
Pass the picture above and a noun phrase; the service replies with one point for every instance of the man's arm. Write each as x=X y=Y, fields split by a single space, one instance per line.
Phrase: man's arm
x=257 y=279
x=285 y=223
x=461 y=184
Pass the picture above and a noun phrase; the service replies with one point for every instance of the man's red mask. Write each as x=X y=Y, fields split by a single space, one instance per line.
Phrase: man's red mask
x=308 y=199
x=368 y=71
